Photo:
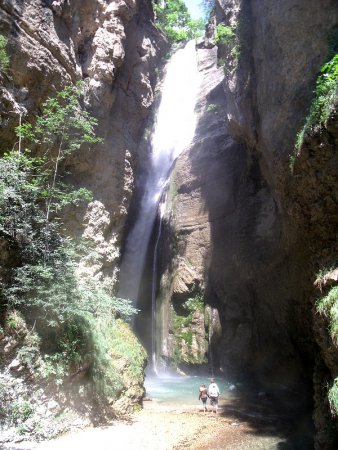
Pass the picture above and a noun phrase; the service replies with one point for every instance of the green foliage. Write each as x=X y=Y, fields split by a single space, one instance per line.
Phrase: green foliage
x=4 y=59
x=189 y=307
x=72 y=316
x=15 y=321
x=228 y=35
x=328 y=306
x=324 y=102
x=182 y=327
x=333 y=397
x=107 y=378
x=60 y=130
x=3 y=398
x=292 y=162
x=225 y=34
x=125 y=346
x=194 y=304
x=29 y=352
x=22 y=220
x=15 y=411
x=324 y=271
x=173 y=19
x=30 y=186
x=21 y=411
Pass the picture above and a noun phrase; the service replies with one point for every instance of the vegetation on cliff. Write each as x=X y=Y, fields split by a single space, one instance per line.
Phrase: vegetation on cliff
x=327 y=307
x=325 y=100
x=62 y=324
x=188 y=324
x=174 y=20
x=313 y=190
x=4 y=59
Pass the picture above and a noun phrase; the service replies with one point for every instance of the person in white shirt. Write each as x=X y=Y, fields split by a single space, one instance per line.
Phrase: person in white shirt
x=213 y=394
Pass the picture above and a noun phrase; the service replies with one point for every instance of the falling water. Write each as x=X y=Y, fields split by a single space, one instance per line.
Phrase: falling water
x=174 y=130
x=153 y=286
x=212 y=318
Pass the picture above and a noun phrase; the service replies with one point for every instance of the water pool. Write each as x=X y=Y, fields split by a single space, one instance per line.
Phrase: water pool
x=180 y=390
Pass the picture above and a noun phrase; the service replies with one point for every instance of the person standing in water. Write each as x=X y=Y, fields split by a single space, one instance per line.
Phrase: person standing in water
x=203 y=395
x=213 y=394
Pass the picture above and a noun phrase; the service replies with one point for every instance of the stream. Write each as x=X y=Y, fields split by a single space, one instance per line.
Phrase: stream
x=172 y=419
x=180 y=390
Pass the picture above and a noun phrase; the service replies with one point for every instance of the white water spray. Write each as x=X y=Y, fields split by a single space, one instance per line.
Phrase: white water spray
x=161 y=209
x=174 y=130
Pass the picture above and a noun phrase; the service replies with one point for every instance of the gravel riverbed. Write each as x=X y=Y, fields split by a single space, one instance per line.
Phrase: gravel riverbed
x=236 y=426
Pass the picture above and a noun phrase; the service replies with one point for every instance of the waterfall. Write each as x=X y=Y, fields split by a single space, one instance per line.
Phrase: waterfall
x=153 y=287
x=212 y=317
x=173 y=132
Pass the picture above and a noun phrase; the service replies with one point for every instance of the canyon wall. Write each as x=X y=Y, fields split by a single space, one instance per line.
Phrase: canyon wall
x=242 y=236
x=242 y=232
x=114 y=47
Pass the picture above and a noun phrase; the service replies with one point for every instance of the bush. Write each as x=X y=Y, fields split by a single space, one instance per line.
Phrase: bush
x=328 y=306
x=333 y=397
x=225 y=34
x=72 y=317
x=182 y=329
x=125 y=345
x=4 y=59
x=173 y=19
x=228 y=35
x=324 y=102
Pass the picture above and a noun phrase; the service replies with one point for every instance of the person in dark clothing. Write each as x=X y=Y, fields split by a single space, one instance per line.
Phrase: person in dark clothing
x=203 y=395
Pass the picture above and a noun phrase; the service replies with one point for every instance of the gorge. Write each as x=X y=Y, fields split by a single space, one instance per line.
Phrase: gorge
x=246 y=245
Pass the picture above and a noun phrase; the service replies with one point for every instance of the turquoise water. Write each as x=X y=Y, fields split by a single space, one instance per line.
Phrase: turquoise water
x=180 y=389
x=278 y=421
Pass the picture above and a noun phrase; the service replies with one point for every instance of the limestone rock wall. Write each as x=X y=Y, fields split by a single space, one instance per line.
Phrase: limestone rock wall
x=314 y=210
x=232 y=230
x=115 y=48
x=112 y=45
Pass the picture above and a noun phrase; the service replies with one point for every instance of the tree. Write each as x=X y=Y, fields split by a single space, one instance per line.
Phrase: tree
x=72 y=316
x=174 y=20
x=4 y=59
x=60 y=130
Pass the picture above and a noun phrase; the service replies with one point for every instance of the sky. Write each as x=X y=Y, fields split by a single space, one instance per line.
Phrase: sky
x=194 y=7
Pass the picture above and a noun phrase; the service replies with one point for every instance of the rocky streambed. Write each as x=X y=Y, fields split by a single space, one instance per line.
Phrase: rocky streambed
x=244 y=421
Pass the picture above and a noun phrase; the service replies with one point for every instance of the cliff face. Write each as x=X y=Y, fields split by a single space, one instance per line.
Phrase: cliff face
x=234 y=230
x=267 y=99
x=243 y=235
x=115 y=48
